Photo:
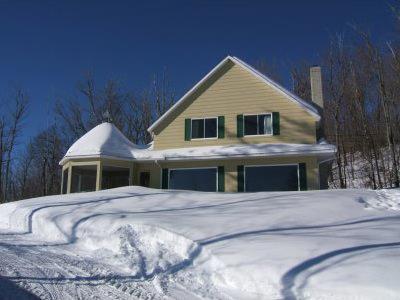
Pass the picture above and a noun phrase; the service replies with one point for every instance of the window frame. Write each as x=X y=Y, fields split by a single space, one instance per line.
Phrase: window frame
x=216 y=175
x=258 y=114
x=272 y=165
x=204 y=129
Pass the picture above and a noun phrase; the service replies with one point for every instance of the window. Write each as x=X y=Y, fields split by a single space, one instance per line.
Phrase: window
x=83 y=178
x=204 y=128
x=258 y=124
x=193 y=179
x=210 y=128
x=113 y=177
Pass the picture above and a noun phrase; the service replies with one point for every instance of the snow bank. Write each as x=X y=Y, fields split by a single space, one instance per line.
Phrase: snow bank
x=385 y=199
x=341 y=244
x=143 y=251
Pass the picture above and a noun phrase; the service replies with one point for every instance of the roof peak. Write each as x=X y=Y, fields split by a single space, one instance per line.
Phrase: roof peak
x=104 y=139
x=307 y=106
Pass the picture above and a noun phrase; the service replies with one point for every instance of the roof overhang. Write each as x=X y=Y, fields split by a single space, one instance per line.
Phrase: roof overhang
x=66 y=159
x=322 y=152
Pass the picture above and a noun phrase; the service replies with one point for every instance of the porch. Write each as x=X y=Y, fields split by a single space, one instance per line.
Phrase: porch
x=95 y=175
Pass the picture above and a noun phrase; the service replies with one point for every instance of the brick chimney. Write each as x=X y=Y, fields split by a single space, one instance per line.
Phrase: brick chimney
x=316 y=86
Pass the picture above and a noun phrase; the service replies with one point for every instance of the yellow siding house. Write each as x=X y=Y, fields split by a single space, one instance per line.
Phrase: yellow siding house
x=236 y=130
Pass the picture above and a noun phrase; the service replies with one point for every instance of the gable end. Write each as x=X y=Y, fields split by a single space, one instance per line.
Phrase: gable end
x=229 y=59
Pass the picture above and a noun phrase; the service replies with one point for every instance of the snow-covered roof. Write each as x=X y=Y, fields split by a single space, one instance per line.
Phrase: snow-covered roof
x=304 y=104
x=105 y=140
x=237 y=151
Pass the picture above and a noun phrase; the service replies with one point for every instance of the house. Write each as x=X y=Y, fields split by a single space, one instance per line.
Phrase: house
x=236 y=130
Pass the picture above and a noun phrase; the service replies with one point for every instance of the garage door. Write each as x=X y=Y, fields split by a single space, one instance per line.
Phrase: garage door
x=193 y=179
x=271 y=178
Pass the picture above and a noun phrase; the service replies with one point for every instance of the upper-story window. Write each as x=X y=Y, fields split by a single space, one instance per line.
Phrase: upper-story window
x=204 y=128
x=260 y=124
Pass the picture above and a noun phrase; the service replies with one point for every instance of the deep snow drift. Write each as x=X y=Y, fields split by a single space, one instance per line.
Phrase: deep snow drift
x=151 y=244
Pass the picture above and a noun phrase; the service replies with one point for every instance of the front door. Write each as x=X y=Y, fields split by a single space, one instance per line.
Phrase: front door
x=144 y=179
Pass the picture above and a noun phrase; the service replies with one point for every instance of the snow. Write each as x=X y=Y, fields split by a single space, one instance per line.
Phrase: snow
x=241 y=150
x=385 y=200
x=105 y=140
x=146 y=243
x=154 y=244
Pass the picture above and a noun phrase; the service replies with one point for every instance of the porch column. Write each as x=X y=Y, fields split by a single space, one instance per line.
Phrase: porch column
x=99 y=174
x=69 y=181
x=62 y=180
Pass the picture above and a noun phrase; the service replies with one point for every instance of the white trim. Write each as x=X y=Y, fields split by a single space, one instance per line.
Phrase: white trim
x=326 y=160
x=194 y=168
x=307 y=106
x=204 y=129
x=94 y=156
x=256 y=135
x=271 y=165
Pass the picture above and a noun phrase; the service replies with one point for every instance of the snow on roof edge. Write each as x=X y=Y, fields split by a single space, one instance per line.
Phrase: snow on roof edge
x=225 y=152
x=239 y=151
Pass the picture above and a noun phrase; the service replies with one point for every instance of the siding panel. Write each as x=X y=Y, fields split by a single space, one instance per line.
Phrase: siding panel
x=233 y=92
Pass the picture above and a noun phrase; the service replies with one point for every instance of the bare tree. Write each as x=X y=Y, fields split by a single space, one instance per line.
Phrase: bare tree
x=162 y=93
x=338 y=70
x=300 y=75
x=270 y=69
x=386 y=101
x=10 y=129
x=2 y=155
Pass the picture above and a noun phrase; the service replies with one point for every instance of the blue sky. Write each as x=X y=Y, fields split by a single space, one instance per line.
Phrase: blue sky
x=47 y=46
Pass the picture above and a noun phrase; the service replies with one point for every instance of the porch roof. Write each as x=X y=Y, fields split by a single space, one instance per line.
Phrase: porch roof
x=103 y=140
x=324 y=151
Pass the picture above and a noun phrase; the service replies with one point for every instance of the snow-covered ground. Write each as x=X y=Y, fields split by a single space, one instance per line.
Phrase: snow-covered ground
x=150 y=244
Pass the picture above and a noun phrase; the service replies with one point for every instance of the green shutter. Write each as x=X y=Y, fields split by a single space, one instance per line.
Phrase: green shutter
x=188 y=129
x=221 y=127
x=303 y=176
x=239 y=121
x=164 y=179
x=240 y=178
x=221 y=179
x=276 y=123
